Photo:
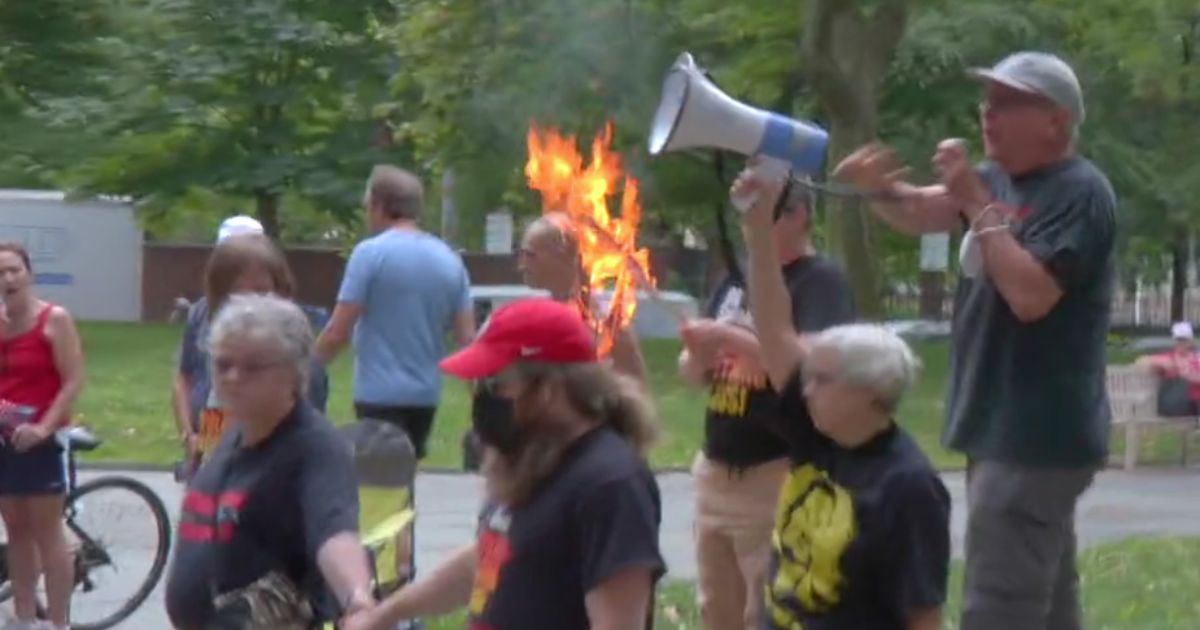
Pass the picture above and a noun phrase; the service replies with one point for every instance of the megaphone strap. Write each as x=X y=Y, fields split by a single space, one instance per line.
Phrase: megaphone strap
x=782 y=201
x=730 y=257
x=842 y=190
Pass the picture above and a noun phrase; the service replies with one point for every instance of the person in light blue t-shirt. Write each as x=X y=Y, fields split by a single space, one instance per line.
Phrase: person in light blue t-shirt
x=402 y=291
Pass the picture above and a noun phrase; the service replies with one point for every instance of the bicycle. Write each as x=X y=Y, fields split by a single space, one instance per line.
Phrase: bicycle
x=92 y=552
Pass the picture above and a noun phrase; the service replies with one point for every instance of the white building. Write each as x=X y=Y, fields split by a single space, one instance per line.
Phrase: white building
x=86 y=255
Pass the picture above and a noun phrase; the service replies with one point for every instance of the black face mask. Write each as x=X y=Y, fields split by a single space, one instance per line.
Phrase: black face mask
x=494 y=422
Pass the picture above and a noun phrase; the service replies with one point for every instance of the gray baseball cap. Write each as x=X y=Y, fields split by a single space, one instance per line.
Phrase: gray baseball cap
x=1038 y=73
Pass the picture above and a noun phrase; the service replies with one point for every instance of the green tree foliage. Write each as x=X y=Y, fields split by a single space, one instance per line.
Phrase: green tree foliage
x=199 y=108
x=48 y=49
x=250 y=98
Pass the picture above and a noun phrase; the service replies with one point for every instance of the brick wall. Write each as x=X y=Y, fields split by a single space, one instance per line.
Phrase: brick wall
x=170 y=271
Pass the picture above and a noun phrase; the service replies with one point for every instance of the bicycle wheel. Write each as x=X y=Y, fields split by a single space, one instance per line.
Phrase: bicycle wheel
x=122 y=537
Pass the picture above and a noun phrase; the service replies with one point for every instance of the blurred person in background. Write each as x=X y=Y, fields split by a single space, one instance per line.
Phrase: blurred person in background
x=402 y=290
x=549 y=260
x=1178 y=370
x=243 y=261
x=41 y=375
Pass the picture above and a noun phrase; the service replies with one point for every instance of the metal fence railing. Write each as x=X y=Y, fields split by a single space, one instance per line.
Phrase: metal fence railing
x=1141 y=309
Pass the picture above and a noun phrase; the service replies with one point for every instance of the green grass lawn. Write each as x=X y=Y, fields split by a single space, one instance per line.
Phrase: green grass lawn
x=1138 y=584
x=130 y=367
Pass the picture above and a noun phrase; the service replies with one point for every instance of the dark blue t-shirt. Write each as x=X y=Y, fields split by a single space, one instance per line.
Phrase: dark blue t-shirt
x=252 y=510
x=862 y=535
x=1034 y=393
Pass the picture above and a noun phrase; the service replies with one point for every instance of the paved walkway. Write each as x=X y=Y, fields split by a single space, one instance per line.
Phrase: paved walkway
x=1119 y=505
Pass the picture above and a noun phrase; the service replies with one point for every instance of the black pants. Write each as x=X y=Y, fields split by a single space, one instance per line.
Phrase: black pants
x=416 y=422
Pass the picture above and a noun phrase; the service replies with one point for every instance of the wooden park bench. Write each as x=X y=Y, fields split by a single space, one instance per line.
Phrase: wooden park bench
x=1133 y=396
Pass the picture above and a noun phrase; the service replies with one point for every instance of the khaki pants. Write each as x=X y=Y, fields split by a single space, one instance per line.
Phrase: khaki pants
x=735 y=514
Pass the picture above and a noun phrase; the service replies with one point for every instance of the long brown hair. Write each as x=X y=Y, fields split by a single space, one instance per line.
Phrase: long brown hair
x=18 y=249
x=233 y=257
x=594 y=391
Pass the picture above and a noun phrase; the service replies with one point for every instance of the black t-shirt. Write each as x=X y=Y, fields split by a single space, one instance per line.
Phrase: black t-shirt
x=742 y=405
x=596 y=516
x=863 y=535
x=1034 y=393
x=253 y=510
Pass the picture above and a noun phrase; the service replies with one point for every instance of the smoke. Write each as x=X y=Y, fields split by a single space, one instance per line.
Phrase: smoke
x=574 y=62
x=571 y=64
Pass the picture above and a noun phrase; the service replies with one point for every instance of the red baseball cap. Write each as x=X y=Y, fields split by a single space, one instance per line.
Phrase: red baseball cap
x=532 y=329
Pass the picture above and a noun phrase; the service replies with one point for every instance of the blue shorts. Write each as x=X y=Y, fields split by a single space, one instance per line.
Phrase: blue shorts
x=38 y=471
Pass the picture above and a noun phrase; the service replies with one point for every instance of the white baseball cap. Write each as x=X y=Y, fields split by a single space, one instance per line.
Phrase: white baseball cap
x=239 y=224
x=1038 y=73
x=1182 y=330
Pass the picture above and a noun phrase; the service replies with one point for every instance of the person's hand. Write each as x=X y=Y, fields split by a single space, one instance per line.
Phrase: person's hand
x=764 y=185
x=962 y=183
x=191 y=445
x=702 y=338
x=356 y=614
x=871 y=168
x=27 y=436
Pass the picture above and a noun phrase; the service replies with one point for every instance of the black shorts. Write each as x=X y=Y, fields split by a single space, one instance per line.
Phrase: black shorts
x=38 y=471
x=416 y=422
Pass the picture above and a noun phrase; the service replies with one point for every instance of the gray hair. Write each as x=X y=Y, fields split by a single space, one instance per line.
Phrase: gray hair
x=398 y=192
x=874 y=357
x=267 y=319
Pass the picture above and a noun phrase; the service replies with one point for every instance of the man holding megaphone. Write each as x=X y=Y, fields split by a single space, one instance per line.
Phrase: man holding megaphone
x=743 y=460
x=1026 y=400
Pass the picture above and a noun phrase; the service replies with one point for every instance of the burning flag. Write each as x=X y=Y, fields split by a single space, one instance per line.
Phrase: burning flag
x=609 y=257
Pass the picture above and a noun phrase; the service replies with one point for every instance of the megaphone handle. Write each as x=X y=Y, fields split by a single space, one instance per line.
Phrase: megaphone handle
x=764 y=168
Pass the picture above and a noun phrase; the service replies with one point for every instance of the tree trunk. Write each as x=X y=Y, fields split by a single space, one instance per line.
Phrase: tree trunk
x=1179 y=250
x=846 y=53
x=267 y=208
x=850 y=224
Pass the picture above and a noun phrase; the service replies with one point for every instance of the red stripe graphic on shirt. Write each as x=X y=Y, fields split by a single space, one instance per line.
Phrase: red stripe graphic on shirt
x=199 y=504
x=200 y=510
x=195 y=532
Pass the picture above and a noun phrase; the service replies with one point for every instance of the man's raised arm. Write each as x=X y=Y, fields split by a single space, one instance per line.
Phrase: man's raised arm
x=907 y=208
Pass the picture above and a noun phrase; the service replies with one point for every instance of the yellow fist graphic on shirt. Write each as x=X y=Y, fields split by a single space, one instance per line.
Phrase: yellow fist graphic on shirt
x=814 y=525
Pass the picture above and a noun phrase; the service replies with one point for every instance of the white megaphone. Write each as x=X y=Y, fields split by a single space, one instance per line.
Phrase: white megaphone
x=695 y=113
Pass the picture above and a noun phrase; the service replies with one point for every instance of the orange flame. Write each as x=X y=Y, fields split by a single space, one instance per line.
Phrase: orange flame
x=609 y=256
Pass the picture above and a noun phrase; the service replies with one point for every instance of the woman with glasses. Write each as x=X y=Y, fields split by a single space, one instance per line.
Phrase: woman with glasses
x=268 y=533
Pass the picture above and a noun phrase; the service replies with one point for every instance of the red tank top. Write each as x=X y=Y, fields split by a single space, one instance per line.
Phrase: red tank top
x=28 y=375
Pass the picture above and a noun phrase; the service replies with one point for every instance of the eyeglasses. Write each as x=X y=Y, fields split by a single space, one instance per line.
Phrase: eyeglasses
x=250 y=369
